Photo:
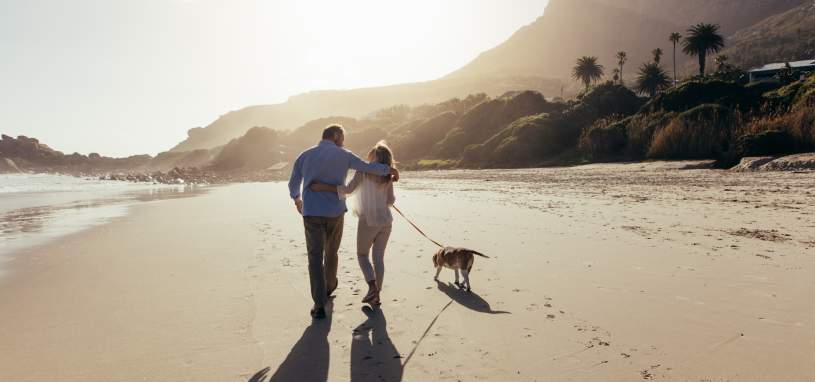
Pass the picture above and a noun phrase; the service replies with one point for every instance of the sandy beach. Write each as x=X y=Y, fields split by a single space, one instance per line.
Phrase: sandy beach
x=618 y=272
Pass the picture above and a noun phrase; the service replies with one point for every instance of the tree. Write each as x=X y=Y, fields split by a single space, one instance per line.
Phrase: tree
x=657 y=55
x=788 y=74
x=587 y=70
x=675 y=38
x=721 y=61
x=703 y=39
x=651 y=79
x=622 y=58
x=615 y=75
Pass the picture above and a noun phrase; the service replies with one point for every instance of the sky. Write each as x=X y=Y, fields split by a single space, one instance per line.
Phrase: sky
x=124 y=77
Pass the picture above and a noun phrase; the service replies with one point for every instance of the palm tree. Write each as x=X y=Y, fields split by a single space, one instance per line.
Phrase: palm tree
x=622 y=58
x=657 y=55
x=587 y=70
x=615 y=74
x=675 y=38
x=703 y=39
x=651 y=79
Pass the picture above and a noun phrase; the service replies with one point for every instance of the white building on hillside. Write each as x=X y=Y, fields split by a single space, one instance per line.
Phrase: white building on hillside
x=769 y=71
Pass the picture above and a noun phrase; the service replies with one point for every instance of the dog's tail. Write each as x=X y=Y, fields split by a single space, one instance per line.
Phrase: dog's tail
x=478 y=253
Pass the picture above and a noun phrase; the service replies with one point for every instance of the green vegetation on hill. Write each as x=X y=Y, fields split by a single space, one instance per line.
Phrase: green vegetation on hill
x=701 y=118
x=710 y=119
x=259 y=148
x=710 y=116
x=693 y=93
x=416 y=139
x=527 y=141
x=488 y=118
x=542 y=138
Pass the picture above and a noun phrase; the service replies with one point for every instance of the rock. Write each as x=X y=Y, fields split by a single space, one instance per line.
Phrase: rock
x=7 y=166
x=278 y=166
x=751 y=163
x=797 y=162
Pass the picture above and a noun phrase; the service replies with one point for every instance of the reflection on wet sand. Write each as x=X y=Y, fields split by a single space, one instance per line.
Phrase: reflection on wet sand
x=27 y=226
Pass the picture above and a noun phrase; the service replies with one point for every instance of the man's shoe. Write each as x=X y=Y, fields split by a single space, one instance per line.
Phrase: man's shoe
x=318 y=313
x=331 y=292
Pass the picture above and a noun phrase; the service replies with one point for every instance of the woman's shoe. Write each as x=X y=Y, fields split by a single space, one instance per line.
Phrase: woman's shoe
x=372 y=292
x=375 y=300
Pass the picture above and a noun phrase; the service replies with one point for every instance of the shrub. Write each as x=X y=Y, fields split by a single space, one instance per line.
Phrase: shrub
x=527 y=141
x=700 y=133
x=605 y=139
x=799 y=124
x=640 y=131
x=257 y=149
x=362 y=140
x=489 y=118
x=773 y=142
x=607 y=100
x=698 y=92
x=415 y=140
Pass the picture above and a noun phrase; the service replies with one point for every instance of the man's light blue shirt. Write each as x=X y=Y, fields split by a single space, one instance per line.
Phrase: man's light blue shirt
x=327 y=163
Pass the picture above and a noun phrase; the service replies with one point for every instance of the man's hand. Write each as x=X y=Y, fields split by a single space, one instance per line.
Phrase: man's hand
x=298 y=203
x=394 y=174
x=317 y=186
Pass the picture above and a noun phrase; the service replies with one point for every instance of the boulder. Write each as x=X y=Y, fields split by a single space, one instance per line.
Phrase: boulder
x=751 y=163
x=797 y=162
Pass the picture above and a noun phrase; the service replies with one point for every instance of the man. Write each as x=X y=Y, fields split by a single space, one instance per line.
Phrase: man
x=323 y=212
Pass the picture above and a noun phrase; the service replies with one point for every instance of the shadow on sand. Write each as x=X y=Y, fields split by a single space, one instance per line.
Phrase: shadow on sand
x=309 y=358
x=373 y=355
x=470 y=300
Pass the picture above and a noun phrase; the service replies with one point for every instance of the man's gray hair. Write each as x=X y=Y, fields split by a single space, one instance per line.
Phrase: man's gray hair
x=332 y=130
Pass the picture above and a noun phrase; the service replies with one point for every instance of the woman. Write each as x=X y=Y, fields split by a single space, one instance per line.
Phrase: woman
x=374 y=196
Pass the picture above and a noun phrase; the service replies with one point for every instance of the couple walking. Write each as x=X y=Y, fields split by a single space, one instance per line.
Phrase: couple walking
x=318 y=188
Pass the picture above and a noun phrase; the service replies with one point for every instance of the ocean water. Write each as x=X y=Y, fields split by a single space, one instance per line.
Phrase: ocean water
x=37 y=208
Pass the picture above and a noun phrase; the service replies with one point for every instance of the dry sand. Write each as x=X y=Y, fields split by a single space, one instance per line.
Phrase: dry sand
x=602 y=272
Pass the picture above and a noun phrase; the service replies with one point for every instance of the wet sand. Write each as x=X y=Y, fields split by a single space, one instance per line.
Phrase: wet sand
x=602 y=272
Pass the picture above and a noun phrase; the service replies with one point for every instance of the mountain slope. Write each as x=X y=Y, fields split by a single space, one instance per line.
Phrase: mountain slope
x=573 y=28
x=570 y=29
x=732 y=15
x=355 y=103
x=540 y=57
x=789 y=36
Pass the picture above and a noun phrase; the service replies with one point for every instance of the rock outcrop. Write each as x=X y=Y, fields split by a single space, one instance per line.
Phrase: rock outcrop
x=752 y=163
x=797 y=162
x=8 y=166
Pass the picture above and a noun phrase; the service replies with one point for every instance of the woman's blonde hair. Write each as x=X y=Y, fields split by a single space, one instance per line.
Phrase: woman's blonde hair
x=382 y=153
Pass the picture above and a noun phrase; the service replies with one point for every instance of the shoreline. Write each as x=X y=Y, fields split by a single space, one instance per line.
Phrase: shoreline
x=606 y=272
x=32 y=219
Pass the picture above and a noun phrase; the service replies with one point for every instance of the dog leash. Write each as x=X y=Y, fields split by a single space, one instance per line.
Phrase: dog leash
x=417 y=228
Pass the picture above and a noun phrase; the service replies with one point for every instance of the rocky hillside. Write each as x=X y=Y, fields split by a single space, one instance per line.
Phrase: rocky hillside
x=537 y=57
x=732 y=15
x=356 y=103
x=570 y=29
x=574 y=28
x=29 y=154
x=789 y=36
